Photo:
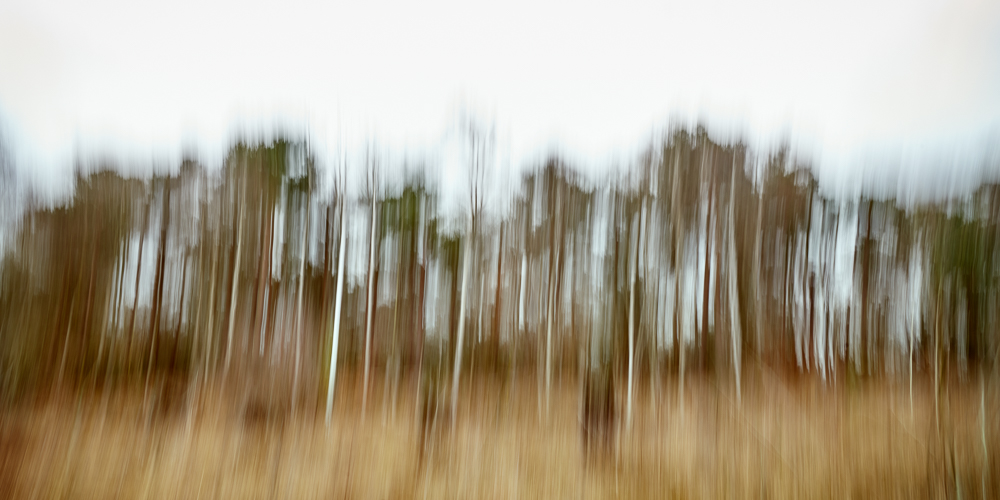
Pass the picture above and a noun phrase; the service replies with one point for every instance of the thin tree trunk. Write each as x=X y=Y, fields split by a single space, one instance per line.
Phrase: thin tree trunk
x=234 y=291
x=421 y=304
x=138 y=274
x=679 y=250
x=85 y=338
x=937 y=363
x=865 y=278
x=211 y=308
x=256 y=304
x=549 y=303
x=65 y=353
x=154 y=319
x=116 y=299
x=298 y=309
x=733 y=272
x=631 y=319
x=479 y=321
x=116 y=317
x=809 y=290
x=336 y=315
x=267 y=313
x=369 y=323
x=180 y=313
x=758 y=293
x=708 y=273
x=69 y=325
x=461 y=330
x=550 y=298
x=496 y=301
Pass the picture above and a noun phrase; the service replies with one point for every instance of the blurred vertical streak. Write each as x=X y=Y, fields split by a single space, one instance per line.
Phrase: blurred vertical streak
x=298 y=306
x=342 y=250
x=154 y=317
x=138 y=275
x=372 y=283
x=234 y=291
x=734 y=318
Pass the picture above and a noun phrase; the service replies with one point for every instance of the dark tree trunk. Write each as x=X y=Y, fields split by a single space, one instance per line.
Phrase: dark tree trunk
x=154 y=318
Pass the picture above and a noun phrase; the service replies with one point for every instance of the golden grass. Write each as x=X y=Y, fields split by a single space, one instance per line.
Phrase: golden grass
x=785 y=440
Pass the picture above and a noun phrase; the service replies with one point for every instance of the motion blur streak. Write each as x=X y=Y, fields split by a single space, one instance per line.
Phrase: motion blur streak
x=705 y=323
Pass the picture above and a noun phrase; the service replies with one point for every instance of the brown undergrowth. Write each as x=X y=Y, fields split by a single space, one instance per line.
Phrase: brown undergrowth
x=801 y=440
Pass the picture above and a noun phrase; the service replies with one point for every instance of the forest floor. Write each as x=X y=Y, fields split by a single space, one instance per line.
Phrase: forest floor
x=801 y=439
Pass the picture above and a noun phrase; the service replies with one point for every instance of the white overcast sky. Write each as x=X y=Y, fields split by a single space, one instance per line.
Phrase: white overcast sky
x=903 y=91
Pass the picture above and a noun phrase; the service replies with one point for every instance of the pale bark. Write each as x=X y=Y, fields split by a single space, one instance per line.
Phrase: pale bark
x=154 y=318
x=631 y=319
x=211 y=308
x=479 y=320
x=550 y=302
x=461 y=330
x=336 y=316
x=550 y=294
x=734 y=318
x=135 y=296
x=65 y=353
x=520 y=292
x=298 y=307
x=371 y=308
x=759 y=313
x=233 y=294
x=708 y=262
x=679 y=246
x=495 y=331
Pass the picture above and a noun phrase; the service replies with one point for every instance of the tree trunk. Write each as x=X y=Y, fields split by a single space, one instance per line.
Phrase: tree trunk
x=369 y=323
x=865 y=278
x=335 y=342
x=634 y=257
x=495 y=347
x=549 y=303
x=85 y=338
x=180 y=312
x=135 y=297
x=734 y=316
x=234 y=291
x=211 y=308
x=267 y=285
x=758 y=292
x=461 y=330
x=154 y=318
x=809 y=289
x=116 y=314
x=708 y=273
x=298 y=307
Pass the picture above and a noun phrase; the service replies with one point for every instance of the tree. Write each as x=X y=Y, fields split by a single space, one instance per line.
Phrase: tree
x=335 y=340
x=304 y=183
x=371 y=191
x=481 y=141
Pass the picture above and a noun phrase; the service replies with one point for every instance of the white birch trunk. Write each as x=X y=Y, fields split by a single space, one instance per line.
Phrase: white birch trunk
x=759 y=313
x=631 y=319
x=298 y=308
x=550 y=293
x=681 y=251
x=734 y=318
x=336 y=316
x=479 y=321
x=211 y=309
x=520 y=294
x=371 y=309
x=461 y=331
x=235 y=290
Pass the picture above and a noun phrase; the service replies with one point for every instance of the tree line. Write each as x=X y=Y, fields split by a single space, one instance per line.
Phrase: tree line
x=703 y=258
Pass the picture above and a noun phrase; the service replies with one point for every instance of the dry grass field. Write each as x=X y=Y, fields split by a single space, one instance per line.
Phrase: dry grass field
x=784 y=440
